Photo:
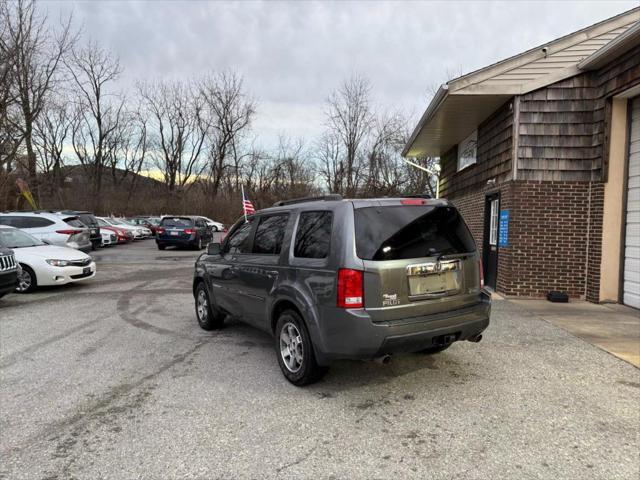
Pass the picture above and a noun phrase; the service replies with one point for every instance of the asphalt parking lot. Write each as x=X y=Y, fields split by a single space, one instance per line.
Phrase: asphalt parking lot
x=113 y=379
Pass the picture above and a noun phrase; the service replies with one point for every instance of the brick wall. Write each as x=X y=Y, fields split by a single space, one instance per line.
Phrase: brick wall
x=549 y=238
x=548 y=225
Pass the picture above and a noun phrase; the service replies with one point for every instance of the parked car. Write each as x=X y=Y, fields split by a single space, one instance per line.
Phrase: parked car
x=183 y=231
x=146 y=232
x=91 y=222
x=108 y=238
x=42 y=264
x=334 y=279
x=144 y=222
x=215 y=226
x=57 y=229
x=136 y=232
x=8 y=270
x=122 y=235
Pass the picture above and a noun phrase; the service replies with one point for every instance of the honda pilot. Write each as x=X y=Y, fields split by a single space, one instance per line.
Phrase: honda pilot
x=346 y=279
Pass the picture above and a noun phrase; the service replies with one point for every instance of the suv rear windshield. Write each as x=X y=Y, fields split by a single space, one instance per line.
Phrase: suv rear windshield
x=179 y=222
x=74 y=222
x=403 y=232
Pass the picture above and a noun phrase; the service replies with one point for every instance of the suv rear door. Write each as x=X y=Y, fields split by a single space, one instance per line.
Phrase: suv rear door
x=419 y=258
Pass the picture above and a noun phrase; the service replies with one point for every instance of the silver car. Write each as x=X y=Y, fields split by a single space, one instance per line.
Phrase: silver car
x=55 y=229
x=332 y=279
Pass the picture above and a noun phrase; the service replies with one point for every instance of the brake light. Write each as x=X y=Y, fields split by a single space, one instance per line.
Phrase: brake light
x=160 y=230
x=69 y=232
x=350 y=288
x=413 y=201
x=481 y=270
x=189 y=231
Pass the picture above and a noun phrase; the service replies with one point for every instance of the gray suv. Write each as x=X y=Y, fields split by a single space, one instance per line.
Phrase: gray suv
x=334 y=279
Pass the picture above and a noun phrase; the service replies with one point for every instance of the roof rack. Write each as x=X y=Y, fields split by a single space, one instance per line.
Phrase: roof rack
x=326 y=198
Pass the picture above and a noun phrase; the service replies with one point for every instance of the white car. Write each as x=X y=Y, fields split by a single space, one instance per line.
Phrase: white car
x=44 y=264
x=56 y=229
x=108 y=238
x=147 y=233
x=215 y=226
x=138 y=233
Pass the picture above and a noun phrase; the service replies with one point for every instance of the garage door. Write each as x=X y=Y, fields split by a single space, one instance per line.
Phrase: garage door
x=631 y=287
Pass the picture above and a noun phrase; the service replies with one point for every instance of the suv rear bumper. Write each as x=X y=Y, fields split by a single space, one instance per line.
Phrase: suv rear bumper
x=352 y=334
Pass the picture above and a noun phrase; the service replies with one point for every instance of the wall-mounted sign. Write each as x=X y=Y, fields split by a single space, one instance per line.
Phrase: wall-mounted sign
x=503 y=232
x=467 y=151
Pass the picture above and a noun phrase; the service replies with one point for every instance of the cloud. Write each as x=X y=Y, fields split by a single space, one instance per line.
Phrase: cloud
x=292 y=54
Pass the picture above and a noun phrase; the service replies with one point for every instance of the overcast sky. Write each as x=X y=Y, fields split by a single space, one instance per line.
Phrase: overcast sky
x=292 y=54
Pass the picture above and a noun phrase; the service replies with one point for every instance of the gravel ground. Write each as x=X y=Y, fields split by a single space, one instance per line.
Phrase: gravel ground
x=113 y=379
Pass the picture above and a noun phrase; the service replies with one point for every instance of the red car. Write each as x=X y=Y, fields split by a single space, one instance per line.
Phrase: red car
x=122 y=235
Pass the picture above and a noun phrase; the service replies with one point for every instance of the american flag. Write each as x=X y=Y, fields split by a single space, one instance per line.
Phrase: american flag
x=248 y=207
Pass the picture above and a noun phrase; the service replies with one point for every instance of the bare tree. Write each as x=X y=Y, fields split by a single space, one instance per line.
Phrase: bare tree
x=99 y=112
x=350 y=119
x=51 y=132
x=38 y=53
x=177 y=130
x=230 y=112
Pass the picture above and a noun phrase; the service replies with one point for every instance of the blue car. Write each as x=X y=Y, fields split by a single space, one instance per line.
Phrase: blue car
x=183 y=231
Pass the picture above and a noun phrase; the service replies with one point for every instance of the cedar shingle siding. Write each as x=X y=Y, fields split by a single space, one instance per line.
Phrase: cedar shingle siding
x=562 y=127
x=493 y=156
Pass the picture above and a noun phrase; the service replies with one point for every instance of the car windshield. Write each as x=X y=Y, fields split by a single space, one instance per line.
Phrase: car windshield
x=403 y=232
x=113 y=221
x=17 y=239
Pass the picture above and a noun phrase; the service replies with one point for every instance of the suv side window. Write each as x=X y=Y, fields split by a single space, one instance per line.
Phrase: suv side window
x=36 y=222
x=238 y=241
x=313 y=236
x=269 y=234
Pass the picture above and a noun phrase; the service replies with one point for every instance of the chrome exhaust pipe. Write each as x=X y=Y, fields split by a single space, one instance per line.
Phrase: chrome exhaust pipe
x=383 y=359
x=475 y=338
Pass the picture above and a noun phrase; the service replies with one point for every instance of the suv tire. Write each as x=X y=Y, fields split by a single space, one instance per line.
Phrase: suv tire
x=208 y=317
x=299 y=367
x=161 y=246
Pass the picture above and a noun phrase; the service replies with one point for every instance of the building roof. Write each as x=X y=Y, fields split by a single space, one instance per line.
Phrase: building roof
x=463 y=103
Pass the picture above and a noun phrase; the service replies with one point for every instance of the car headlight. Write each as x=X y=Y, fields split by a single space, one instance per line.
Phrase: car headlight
x=58 y=263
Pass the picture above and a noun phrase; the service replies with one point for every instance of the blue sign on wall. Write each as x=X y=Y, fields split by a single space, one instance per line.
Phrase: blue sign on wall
x=503 y=232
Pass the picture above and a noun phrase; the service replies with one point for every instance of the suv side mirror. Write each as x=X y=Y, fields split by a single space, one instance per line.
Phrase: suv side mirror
x=214 y=249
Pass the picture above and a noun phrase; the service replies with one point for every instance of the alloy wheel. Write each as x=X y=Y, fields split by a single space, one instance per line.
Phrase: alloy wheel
x=202 y=306
x=291 y=347
x=24 y=281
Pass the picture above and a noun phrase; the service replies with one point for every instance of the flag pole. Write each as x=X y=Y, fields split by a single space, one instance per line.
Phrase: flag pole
x=244 y=210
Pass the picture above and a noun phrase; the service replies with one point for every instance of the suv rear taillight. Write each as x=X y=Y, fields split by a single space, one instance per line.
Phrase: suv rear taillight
x=350 y=288
x=69 y=232
x=160 y=230
x=189 y=231
x=481 y=270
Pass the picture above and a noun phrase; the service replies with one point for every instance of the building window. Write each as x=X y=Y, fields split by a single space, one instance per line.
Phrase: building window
x=467 y=151
x=493 y=225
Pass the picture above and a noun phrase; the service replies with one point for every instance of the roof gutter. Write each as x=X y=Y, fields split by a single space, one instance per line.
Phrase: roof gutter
x=434 y=105
x=614 y=48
